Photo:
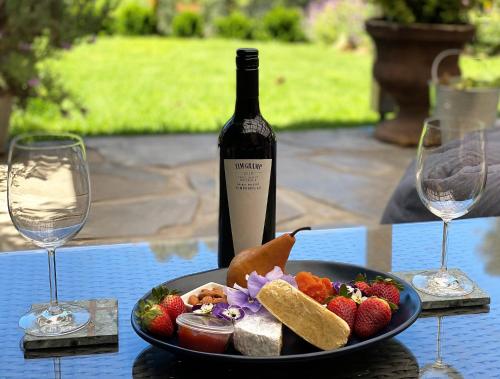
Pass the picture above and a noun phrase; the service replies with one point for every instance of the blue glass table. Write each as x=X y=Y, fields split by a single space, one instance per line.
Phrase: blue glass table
x=469 y=338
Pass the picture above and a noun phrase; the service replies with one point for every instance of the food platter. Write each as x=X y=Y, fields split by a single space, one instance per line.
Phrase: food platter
x=294 y=348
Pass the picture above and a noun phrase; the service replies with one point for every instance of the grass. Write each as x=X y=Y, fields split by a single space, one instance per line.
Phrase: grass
x=155 y=85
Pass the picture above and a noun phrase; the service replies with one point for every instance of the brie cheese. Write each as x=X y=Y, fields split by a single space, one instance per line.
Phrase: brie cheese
x=258 y=335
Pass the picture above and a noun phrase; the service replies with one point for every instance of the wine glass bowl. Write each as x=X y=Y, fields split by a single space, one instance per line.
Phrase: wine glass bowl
x=48 y=193
x=450 y=179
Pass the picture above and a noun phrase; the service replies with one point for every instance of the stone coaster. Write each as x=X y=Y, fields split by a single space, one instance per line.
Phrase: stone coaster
x=71 y=351
x=449 y=312
x=476 y=298
x=102 y=328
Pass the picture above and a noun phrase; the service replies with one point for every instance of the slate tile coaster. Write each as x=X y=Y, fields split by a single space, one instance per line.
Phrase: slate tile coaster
x=478 y=297
x=61 y=352
x=450 y=312
x=102 y=328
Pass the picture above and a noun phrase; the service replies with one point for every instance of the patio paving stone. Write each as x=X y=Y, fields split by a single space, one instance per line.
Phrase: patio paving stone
x=157 y=150
x=111 y=181
x=138 y=218
x=202 y=183
x=157 y=187
x=347 y=191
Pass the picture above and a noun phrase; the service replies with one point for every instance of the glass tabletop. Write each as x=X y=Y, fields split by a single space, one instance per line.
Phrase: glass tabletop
x=469 y=338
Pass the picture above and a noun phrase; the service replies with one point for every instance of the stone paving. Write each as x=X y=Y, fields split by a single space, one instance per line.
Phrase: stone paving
x=165 y=186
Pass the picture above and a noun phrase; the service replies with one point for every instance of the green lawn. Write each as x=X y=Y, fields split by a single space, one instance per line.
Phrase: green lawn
x=154 y=84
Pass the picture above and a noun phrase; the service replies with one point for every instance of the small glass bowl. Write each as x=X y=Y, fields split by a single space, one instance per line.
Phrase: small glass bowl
x=204 y=333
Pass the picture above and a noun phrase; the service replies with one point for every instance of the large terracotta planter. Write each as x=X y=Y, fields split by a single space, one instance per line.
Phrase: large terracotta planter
x=5 y=111
x=403 y=69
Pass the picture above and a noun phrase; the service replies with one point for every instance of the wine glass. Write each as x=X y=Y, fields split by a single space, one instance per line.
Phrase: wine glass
x=48 y=196
x=450 y=178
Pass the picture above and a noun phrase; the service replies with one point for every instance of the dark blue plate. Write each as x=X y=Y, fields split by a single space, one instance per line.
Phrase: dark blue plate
x=294 y=347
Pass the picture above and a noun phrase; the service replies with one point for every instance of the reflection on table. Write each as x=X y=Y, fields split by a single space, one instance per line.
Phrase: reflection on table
x=468 y=341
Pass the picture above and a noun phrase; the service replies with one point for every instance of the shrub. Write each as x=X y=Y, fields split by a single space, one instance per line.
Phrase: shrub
x=324 y=28
x=165 y=12
x=428 y=11
x=187 y=24
x=236 y=25
x=284 y=24
x=488 y=30
x=342 y=22
x=132 y=18
x=34 y=30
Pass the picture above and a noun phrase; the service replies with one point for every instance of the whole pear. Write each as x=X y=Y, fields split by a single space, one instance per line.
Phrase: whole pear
x=261 y=259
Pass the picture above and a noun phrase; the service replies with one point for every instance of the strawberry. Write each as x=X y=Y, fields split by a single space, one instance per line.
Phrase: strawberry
x=155 y=319
x=174 y=306
x=373 y=315
x=169 y=300
x=345 y=308
x=361 y=282
x=365 y=288
x=387 y=289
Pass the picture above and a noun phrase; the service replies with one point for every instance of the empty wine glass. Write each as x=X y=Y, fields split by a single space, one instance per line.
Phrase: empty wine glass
x=48 y=196
x=450 y=178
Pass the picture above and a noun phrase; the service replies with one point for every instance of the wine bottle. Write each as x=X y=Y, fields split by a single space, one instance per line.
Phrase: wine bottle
x=247 y=147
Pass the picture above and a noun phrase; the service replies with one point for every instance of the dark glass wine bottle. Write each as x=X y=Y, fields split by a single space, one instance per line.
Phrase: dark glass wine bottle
x=247 y=146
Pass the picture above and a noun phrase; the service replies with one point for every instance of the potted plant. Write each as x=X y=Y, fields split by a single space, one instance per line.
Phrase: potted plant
x=30 y=31
x=407 y=38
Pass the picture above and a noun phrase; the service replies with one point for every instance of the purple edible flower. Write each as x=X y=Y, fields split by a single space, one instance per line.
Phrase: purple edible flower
x=336 y=286
x=239 y=296
x=228 y=312
x=247 y=297
x=276 y=273
x=256 y=281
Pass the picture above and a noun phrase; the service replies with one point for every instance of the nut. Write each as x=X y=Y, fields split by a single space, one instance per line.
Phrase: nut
x=193 y=300
x=207 y=300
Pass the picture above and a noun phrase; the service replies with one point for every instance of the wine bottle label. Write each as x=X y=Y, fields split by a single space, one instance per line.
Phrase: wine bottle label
x=247 y=185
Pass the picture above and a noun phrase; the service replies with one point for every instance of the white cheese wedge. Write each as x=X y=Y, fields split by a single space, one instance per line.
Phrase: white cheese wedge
x=306 y=317
x=258 y=335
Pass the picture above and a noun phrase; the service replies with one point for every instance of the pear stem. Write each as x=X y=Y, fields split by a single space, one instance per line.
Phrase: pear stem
x=300 y=229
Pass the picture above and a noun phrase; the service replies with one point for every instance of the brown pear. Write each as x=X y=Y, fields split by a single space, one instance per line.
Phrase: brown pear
x=261 y=258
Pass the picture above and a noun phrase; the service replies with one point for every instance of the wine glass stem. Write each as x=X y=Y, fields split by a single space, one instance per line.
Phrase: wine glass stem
x=444 y=249
x=57 y=368
x=439 y=359
x=54 y=304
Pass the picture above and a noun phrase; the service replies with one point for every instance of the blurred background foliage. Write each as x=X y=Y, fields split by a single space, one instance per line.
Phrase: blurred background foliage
x=58 y=86
x=32 y=30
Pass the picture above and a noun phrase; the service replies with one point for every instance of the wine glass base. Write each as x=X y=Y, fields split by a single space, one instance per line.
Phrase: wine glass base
x=64 y=319
x=442 y=284
x=439 y=370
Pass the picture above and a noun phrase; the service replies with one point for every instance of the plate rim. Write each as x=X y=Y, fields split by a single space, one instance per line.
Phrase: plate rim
x=282 y=358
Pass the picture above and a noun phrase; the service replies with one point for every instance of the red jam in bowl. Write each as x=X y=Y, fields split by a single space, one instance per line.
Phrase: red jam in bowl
x=203 y=333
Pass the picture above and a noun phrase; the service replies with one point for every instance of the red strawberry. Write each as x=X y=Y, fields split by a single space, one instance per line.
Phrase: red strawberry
x=373 y=315
x=169 y=300
x=345 y=308
x=174 y=306
x=361 y=282
x=155 y=319
x=387 y=289
x=365 y=288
